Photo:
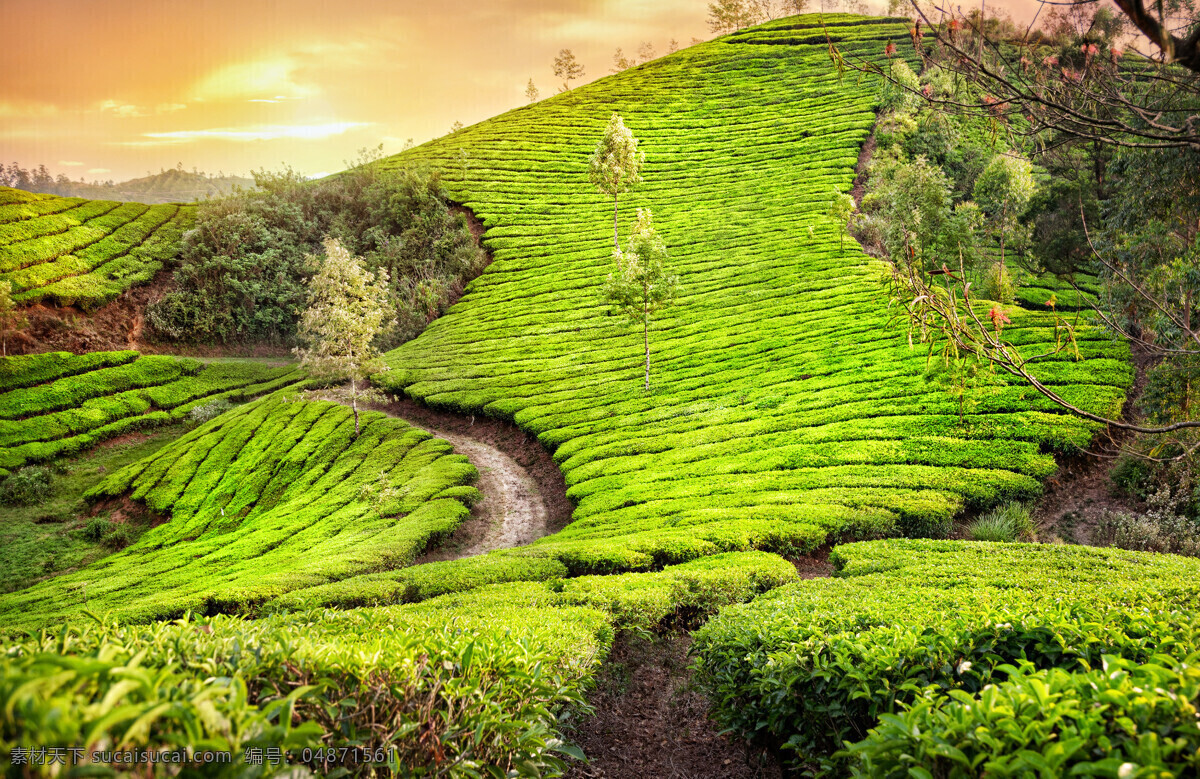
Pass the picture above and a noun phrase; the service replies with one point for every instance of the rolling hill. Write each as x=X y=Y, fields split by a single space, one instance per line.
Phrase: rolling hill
x=788 y=412
x=69 y=251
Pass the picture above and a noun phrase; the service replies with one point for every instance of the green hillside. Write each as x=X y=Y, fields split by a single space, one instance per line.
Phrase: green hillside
x=785 y=409
x=57 y=404
x=268 y=497
x=788 y=412
x=71 y=251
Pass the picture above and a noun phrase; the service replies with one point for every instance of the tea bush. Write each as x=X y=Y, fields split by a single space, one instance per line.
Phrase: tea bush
x=1120 y=719
x=816 y=664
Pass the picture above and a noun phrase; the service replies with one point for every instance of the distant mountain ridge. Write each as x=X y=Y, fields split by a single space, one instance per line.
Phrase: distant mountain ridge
x=174 y=185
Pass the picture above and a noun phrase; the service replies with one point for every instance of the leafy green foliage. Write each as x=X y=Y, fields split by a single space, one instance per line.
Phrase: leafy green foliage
x=815 y=664
x=787 y=412
x=347 y=309
x=641 y=283
x=1003 y=191
x=615 y=165
x=1121 y=719
x=243 y=269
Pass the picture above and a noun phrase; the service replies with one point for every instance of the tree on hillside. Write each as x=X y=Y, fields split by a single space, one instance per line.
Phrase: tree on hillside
x=1002 y=191
x=347 y=310
x=841 y=211
x=621 y=62
x=567 y=68
x=641 y=284
x=531 y=91
x=646 y=52
x=732 y=15
x=616 y=164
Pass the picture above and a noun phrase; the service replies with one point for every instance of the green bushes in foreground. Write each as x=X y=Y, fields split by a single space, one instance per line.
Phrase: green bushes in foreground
x=814 y=666
x=465 y=685
x=1121 y=719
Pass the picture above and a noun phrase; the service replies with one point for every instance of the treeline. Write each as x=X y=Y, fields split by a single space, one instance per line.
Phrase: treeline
x=244 y=269
x=173 y=185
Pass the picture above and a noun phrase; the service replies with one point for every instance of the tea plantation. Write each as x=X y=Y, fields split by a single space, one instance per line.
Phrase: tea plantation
x=57 y=404
x=912 y=633
x=788 y=412
x=271 y=496
x=72 y=251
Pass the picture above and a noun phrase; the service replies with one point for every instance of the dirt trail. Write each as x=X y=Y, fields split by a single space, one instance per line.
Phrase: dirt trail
x=512 y=512
x=524 y=495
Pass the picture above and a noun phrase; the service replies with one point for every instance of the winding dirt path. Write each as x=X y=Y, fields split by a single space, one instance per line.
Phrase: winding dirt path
x=512 y=512
x=524 y=495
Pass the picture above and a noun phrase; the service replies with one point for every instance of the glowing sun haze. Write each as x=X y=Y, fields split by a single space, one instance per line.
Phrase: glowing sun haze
x=113 y=89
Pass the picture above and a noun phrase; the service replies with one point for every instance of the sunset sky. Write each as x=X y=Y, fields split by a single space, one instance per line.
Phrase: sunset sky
x=115 y=89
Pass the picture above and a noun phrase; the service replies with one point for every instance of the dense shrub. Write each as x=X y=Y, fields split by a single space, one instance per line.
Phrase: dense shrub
x=1122 y=719
x=97 y=528
x=26 y=487
x=812 y=665
x=210 y=410
x=1161 y=528
x=243 y=266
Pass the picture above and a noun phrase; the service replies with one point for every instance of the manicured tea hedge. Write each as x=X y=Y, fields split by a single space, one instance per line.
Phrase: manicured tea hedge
x=813 y=666
x=57 y=404
x=269 y=497
x=464 y=685
x=71 y=251
x=786 y=411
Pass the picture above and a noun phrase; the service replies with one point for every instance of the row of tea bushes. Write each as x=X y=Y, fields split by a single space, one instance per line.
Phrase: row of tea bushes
x=271 y=496
x=57 y=404
x=925 y=640
x=70 y=251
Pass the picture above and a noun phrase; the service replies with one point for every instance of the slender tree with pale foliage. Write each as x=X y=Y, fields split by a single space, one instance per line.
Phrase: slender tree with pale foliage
x=841 y=211
x=640 y=284
x=567 y=68
x=531 y=91
x=616 y=165
x=347 y=310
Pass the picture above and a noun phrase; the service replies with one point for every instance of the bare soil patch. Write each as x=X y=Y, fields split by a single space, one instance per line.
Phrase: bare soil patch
x=651 y=721
x=814 y=566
